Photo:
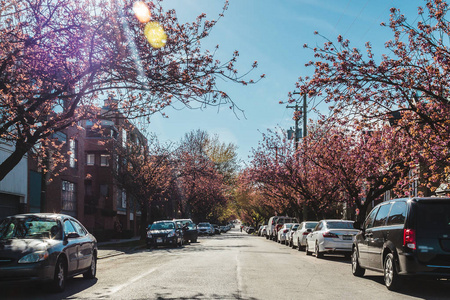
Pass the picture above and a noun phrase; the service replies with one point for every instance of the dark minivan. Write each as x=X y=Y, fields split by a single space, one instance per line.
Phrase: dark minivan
x=408 y=236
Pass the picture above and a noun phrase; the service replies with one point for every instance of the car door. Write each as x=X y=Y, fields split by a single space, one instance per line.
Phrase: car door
x=376 y=241
x=85 y=249
x=71 y=247
x=314 y=236
x=366 y=235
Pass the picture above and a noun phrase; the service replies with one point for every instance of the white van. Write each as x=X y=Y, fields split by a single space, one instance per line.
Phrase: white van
x=271 y=232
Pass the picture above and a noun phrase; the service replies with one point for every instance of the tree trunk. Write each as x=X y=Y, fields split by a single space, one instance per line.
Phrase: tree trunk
x=13 y=160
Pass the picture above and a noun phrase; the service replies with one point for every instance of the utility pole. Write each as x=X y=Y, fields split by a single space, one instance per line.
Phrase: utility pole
x=297 y=135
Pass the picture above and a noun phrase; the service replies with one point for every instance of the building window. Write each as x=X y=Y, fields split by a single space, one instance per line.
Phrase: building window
x=104 y=190
x=73 y=153
x=61 y=137
x=121 y=199
x=68 y=196
x=124 y=138
x=90 y=159
x=104 y=160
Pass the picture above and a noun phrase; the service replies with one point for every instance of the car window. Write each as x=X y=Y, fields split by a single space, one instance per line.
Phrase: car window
x=434 y=215
x=310 y=225
x=340 y=225
x=398 y=213
x=380 y=219
x=68 y=227
x=369 y=221
x=319 y=226
x=79 y=229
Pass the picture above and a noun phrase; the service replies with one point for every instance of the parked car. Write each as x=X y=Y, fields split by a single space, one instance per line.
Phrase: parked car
x=46 y=247
x=249 y=229
x=331 y=236
x=262 y=231
x=216 y=228
x=279 y=224
x=405 y=237
x=190 y=233
x=164 y=233
x=299 y=237
x=205 y=228
x=290 y=234
x=282 y=232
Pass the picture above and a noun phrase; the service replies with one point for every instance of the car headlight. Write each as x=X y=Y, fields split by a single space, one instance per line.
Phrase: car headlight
x=171 y=234
x=34 y=257
x=149 y=235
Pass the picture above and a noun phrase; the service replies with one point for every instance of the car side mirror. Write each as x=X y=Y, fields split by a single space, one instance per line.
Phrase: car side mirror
x=72 y=235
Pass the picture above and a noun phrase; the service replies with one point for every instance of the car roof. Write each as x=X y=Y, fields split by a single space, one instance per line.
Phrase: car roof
x=43 y=215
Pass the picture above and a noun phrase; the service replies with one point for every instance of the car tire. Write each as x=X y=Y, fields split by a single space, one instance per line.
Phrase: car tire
x=194 y=240
x=299 y=247
x=267 y=237
x=306 y=249
x=357 y=270
x=58 y=283
x=317 y=251
x=392 y=280
x=92 y=271
x=293 y=245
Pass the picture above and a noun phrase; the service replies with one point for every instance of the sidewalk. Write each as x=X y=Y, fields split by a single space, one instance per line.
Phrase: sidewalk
x=118 y=247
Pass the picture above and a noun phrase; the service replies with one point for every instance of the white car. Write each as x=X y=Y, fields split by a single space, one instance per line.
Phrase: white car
x=290 y=234
x=331 y=236
x=299 y=237
x=281 y=238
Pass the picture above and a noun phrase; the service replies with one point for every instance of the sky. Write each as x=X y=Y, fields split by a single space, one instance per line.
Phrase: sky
x=272 y=33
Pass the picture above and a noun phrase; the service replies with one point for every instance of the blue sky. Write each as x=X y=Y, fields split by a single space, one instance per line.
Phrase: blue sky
x=272 y=33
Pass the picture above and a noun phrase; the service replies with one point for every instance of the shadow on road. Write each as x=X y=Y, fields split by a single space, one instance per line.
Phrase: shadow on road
x=429 y=289
x=167 y=296
x=37 y=291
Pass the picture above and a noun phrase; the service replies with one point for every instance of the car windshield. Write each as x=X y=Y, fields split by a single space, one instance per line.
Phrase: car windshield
x=288 y=225
x=162 y=226
x=204 y=225
x=30 y=227
x=340 y=225
x=310 y=225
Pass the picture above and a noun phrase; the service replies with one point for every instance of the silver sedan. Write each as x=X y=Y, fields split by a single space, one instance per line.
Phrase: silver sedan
x=331 y=236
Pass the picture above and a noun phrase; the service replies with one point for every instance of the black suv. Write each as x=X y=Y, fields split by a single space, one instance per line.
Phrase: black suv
x=404 y=237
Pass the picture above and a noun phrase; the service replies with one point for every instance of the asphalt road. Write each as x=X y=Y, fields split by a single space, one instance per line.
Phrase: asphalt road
x=233 y=265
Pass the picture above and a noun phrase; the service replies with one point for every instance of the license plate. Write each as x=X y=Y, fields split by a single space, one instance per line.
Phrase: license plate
x=159 y=240
x=347 y=237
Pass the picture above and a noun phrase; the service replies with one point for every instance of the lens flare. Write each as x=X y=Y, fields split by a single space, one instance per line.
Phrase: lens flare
x=155 y=35
x=141 y=11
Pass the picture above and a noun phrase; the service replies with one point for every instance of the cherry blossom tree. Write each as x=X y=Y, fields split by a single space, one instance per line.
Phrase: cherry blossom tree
x=408 y=85
x=146 y=171
x=59 y=59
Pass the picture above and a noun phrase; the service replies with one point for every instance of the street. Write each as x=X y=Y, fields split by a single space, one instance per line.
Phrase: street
x=233 y=265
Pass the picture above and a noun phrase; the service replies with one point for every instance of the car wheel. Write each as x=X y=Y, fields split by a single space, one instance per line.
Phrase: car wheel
x=90 y=274
x=194 y=240
x=299 y=247
x=391 y=277
x=307 y=250
x=267 y=237
x=317 y=251
x=59 y=278
x=293 y=245
x=357 y=270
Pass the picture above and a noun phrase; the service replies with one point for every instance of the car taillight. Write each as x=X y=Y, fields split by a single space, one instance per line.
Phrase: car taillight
x=329 y=235
x=305 y=233
x=409 y=238
x=285 y=231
